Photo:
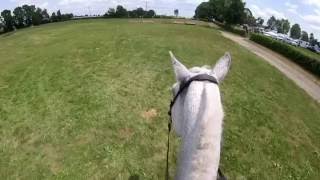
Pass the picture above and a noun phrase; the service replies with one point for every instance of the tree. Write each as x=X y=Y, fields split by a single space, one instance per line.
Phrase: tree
x=121 y=12
x=304 y=36
x=218 y=9
x=45 y=16
x=140 y=12
x=19 y=16
x=8 y=20
x=54 y=17
x=1 y=25
x=29 y=11
x=249 y=18
x=111 y=13
x=312 y=40
x=234 y=13
x=176 y=12
x=259 y=21
x=59 y=16
x=295 y=32
x=65 y=17
x=204 y=11
x=283 y=26
x=151 y=13
x=272 y=22
x=37 y=17
x=133 y=14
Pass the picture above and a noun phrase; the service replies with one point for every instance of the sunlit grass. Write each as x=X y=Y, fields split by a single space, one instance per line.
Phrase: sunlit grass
x=89 y=100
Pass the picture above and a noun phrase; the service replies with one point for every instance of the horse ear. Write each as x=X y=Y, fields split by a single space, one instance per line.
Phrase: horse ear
x=222 y=67
x=180 y=70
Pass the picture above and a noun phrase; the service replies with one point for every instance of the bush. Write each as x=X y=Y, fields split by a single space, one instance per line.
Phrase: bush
x=240 y=32
x=309 y=63
x=229 y=28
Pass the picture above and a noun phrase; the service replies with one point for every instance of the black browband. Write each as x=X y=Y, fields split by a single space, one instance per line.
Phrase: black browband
x=185 y=84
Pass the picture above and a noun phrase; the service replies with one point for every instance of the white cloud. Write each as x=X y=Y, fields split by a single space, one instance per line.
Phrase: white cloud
x=312 y=19
x=266 y=13
x=312 y=2
x=317 y=28
x=38 y=3
x=292 y=8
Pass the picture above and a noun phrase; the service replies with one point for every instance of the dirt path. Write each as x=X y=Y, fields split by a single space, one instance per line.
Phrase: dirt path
x=301 y=77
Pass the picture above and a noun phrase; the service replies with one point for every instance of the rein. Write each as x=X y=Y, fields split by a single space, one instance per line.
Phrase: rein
x=184 y=85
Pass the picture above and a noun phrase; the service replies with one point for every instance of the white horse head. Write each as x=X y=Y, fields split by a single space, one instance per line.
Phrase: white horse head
x=197 y=118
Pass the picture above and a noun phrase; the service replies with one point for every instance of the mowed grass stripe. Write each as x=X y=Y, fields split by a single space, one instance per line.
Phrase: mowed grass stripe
x=88 y=99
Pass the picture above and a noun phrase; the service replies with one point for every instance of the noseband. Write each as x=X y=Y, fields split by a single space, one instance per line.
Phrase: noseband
x=184 y=85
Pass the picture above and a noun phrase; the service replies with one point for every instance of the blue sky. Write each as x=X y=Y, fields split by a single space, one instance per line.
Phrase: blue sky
x=304 y=12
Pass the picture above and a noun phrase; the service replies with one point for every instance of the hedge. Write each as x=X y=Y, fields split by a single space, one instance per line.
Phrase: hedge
x=309 y=63
x=229 y=28
x=240 y=32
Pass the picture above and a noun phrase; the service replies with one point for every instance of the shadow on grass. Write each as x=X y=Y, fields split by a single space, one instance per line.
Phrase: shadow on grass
x=134 y=177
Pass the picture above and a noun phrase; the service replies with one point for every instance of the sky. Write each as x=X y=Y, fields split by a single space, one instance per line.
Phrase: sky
x=304 y=12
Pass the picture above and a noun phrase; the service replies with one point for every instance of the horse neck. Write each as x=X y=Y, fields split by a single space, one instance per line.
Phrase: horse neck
x=200 y=153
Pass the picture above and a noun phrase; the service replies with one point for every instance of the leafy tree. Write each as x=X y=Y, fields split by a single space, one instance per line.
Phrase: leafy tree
x=132 y=14
x=45 y=16
x=8 y=20
x=37 y=17
x=1 y=25
x=249 y=18
x=272 y=22
x=54 y=17
x=65 y=17
x=29 y=11
x=121 y=12
x=204 y=11
x=283 y=26
x=111 y=13
x=140 y=12
x=311 y=37
x=176 y=12
x=218 y=9
x=304 y=36
x=19 y=16
x=312 y=40
x=59 y=16
x=234 y=13
x=259 y=21
x=295 y=32
x=151 y=13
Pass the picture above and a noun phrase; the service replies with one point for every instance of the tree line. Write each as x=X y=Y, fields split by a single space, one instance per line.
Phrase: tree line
x=121 y=12
x=29 y=15
x=233 y=12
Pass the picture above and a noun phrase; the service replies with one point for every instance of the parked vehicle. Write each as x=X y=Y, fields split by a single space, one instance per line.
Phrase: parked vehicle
x=286 y=39
x=270 y=34
x=303 y=44
x=315 y=48
x=294 y=42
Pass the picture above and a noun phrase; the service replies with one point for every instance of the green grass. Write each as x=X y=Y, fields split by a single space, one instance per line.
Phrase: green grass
x=74 y=95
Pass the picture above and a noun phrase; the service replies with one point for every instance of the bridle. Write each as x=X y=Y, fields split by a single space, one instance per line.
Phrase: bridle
x=184 y=85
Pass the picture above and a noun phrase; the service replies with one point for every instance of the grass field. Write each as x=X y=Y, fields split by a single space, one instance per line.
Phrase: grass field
x=89 y=100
